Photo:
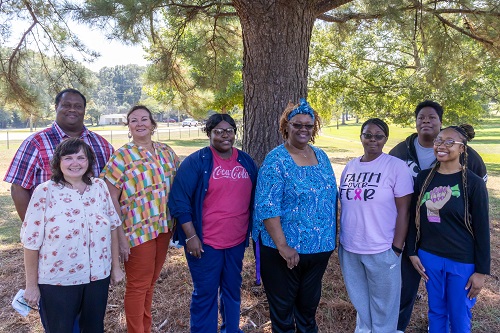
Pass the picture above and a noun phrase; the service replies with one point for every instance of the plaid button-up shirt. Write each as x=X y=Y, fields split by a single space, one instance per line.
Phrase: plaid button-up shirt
x=31 y=164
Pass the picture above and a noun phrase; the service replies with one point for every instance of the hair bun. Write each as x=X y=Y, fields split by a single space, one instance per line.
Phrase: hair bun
x=469 y=130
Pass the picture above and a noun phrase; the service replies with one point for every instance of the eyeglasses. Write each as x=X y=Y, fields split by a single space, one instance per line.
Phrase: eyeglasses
x=220 y=131
x=447 y=143
x=298 y=126
x=23 y=303
x=369 y=136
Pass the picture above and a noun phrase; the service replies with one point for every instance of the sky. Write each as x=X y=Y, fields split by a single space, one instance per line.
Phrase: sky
x=112 y=52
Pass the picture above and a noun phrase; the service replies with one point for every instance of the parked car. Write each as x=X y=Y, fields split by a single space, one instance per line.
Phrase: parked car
x=190 y=122
x=170 y=120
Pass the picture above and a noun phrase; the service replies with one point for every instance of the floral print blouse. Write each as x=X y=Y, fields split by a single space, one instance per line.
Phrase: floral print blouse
x=71 y=231
x=304 y=197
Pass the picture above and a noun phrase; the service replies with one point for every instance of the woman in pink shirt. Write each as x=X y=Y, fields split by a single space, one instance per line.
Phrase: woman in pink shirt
x=375 y=192
x=211 y=198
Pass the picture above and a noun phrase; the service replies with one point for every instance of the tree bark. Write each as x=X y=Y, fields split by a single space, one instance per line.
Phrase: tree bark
x=276 y=37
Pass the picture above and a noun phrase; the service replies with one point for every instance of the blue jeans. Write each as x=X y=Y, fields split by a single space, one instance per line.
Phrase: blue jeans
x=448 y=302
x=216 y=275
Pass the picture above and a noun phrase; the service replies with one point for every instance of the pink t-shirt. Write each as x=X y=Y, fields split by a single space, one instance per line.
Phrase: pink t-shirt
x=367 y=194
x=226 y=208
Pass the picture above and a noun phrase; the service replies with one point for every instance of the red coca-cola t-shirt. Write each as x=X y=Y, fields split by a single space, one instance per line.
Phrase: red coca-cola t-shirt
x=226 y=208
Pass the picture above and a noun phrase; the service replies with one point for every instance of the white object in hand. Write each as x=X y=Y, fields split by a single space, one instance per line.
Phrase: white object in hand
x=19 y=303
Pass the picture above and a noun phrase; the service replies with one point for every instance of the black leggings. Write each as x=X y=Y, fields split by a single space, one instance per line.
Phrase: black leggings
x=293 y=294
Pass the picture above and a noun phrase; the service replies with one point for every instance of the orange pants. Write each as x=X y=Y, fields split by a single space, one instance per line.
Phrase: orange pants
x=142 y=270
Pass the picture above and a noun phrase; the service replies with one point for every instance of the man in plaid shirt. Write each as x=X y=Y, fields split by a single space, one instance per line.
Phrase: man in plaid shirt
x=31 y=165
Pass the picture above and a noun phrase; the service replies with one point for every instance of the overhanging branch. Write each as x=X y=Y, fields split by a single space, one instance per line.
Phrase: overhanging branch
x=463 y=31
x=350 y=16
x=323 y=6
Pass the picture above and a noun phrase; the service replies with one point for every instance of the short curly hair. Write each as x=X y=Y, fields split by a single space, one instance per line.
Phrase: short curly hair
x=284 y=122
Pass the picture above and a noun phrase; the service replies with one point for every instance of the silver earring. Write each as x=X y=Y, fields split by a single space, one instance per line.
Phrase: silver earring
x=129 y=135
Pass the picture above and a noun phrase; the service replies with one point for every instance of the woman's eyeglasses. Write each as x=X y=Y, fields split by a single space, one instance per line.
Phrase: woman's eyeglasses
x=447 y=143
x=298 y=126
x=220 y=131
x=369 y=136
x=23 y=303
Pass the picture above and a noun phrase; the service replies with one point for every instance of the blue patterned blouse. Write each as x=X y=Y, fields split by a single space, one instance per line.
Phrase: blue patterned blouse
x=304 y=197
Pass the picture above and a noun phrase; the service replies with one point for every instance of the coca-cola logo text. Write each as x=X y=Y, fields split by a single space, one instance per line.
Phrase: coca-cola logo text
x=238 y=172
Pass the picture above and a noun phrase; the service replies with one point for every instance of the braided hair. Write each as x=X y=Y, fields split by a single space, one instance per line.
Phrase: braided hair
x=466 y=133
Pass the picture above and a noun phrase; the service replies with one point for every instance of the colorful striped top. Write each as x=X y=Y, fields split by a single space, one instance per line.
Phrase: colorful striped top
x=145 y=181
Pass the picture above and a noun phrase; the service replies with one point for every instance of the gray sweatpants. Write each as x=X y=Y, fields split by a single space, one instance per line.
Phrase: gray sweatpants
x=373 y=282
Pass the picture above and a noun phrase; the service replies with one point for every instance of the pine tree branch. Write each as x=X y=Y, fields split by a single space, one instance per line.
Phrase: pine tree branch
x=463 y=31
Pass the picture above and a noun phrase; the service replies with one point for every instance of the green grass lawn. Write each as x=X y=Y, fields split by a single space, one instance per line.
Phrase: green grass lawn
x=335 y=312
x=340 y=144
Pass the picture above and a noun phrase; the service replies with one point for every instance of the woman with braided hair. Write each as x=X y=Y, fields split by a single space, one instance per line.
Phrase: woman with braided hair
x=449 y=243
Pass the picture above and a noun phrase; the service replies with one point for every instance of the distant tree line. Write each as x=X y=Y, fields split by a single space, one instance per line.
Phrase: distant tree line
x=111 y=90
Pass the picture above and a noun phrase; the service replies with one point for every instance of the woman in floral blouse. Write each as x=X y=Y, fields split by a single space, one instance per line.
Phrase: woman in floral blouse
x=139 y=176
x=295 y=221
x=70 y=243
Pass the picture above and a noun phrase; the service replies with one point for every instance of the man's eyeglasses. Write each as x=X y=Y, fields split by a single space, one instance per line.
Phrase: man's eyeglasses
x=298 y=126
x=447 y=143
x=369 y=136
x=220 y=131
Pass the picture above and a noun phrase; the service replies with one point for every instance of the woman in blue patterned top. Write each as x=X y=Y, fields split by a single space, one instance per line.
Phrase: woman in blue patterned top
x=295 y=221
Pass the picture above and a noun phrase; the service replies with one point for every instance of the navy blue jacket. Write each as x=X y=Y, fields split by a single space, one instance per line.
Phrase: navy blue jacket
x=190 y=186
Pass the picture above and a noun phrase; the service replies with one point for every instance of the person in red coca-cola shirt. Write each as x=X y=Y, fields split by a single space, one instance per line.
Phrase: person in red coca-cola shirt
x=212 y=200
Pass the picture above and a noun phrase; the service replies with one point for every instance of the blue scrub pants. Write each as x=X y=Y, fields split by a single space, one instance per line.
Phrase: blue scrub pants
x=216 y=275
x=446 y=293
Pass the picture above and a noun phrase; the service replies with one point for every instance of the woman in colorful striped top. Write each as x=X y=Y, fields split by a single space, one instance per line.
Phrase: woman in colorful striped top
x=139 y=176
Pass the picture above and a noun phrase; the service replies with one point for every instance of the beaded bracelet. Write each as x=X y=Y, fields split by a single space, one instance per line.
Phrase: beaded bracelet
x=188 y=239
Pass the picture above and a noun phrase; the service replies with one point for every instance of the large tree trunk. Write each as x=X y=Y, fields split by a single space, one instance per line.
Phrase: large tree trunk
x=276 y=39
